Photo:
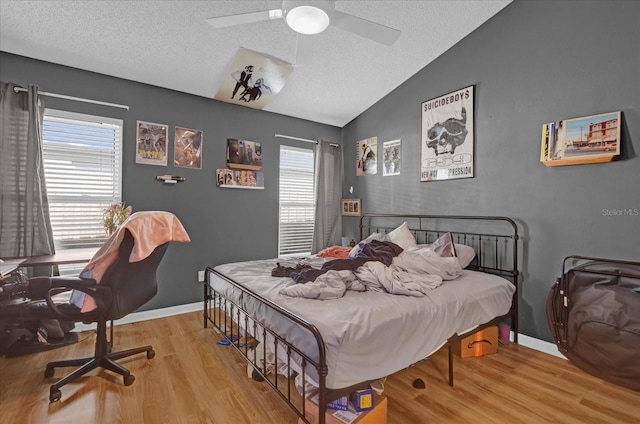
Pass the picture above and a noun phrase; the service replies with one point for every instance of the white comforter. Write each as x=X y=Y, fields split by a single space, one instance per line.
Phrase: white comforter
x=410 y=274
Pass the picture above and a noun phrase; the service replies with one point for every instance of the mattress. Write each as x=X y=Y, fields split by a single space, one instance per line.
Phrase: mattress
x=369 y=335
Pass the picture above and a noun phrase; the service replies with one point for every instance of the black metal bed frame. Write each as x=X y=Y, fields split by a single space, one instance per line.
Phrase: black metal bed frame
x=496 y=253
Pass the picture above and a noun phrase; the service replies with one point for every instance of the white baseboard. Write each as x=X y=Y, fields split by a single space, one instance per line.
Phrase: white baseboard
x=151 y=314
x=527 y=341
x=539 y=345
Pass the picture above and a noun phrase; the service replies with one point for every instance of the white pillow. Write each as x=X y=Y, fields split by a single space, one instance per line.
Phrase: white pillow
x=444 y=246
x=465 y=254
x=402 y=237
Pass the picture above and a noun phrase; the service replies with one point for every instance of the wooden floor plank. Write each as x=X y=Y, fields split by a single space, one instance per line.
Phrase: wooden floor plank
x=194 y=380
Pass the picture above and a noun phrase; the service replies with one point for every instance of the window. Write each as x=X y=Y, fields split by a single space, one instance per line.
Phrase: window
x=83 y=172
x=297 y=201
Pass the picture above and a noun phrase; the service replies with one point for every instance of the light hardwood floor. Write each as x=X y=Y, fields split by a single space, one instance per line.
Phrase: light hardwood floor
x=193 y=380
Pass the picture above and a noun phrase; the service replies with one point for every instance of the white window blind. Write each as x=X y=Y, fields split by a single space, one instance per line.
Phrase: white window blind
x=297 y=201
x=83 y=172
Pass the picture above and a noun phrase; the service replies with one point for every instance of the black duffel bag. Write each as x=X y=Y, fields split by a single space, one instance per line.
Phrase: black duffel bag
x=593 y=312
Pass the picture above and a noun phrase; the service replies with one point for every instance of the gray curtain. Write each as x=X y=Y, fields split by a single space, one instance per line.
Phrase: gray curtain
x=25 y=228
x=328 y=185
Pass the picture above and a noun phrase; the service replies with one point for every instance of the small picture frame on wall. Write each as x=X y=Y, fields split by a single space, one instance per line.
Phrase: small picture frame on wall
x=187 y=148
x=367 y=157
x=151 y=143
x=351 y=207
x=244 y=154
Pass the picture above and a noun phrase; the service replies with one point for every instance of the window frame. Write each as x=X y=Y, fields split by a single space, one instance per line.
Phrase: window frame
x=286 y=245
x=103 y=167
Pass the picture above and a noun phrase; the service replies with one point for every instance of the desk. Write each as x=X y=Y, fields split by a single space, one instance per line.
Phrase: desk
x=74 y=256
x=9 y=265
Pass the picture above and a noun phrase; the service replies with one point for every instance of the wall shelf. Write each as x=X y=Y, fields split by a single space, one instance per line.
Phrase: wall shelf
x=580 y=160
x=579 y=141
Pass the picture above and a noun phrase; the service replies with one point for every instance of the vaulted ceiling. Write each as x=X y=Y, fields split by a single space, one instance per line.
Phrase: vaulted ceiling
x=169 y=44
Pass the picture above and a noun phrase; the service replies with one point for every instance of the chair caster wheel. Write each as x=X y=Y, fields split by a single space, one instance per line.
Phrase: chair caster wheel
x=151 y=354
x=48 y=373
x=54 y=395
x=128 y=380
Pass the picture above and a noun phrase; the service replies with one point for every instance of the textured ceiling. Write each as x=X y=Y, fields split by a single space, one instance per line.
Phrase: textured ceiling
x=169 y=44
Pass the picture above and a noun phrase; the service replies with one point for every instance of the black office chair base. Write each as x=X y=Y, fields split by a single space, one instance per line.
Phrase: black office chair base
x=103 y=358
x=89 y=364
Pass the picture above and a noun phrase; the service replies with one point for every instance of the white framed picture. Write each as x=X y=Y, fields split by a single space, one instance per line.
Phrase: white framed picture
x=151 y=143
x=391 y=157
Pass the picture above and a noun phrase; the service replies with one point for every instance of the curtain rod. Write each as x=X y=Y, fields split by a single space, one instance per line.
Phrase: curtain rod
x=77 y=99
x=304 y=139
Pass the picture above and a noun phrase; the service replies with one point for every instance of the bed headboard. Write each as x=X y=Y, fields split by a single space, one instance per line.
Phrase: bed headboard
x=494 y=238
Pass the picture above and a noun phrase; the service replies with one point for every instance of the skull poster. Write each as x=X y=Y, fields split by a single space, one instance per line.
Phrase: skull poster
x=447 y=136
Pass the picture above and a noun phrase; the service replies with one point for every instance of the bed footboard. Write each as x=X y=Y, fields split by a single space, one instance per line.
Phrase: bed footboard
x=250 y=338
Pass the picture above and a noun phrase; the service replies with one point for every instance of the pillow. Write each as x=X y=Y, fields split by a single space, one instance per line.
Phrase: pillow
x=373 y=236
x=402 y=237
x=444 y=246
x=465 y=254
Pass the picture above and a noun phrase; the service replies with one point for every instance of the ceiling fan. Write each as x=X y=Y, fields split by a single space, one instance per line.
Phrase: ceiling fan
x=312 y=17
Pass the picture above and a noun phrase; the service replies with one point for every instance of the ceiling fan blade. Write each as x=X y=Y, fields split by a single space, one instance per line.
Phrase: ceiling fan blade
x=244 y=18
x=371 y=30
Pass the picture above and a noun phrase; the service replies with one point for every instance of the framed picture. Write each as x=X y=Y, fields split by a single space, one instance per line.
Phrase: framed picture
x=587 y=137
x=367 y=157
x=151 y=143
x=351 y=207
x=392 y=154
x=447 y=136
x=244 y=154
x=187 y=148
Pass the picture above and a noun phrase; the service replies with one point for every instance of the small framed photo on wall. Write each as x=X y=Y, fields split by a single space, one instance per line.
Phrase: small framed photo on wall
x=151 y=143
x=351 y=207
x=187 y=148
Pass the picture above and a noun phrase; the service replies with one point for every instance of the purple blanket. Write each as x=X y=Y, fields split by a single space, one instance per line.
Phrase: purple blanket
x=381 y=251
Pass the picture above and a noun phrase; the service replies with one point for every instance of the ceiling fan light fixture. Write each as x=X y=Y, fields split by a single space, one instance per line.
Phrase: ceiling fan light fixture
x=309 y=17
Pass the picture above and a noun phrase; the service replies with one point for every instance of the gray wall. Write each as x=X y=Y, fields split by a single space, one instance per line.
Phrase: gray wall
x=225 y=225
x=534 y=62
